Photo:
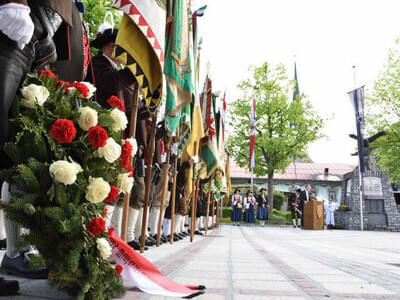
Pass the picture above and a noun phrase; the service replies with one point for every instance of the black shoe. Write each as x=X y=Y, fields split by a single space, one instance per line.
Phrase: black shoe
x=149 y=242
x=8 y=287
x=175 y=238
x=198 y=232
x=164 y=239
x=136 y=245
x=152 y=239
x=202 y=229
x=3 y=244
x=19 y=266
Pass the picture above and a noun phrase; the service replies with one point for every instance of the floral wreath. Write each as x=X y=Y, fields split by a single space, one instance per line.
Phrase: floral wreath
x=69 y=160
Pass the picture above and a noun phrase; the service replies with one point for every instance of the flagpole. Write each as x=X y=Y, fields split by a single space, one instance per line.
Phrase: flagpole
x=132 y=134
x=360 y=177
x=150 y=152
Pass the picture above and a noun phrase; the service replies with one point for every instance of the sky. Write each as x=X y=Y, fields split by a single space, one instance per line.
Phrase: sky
x=326 y=37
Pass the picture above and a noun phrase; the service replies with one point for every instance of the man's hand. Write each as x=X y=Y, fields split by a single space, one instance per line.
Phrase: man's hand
x=16 y=23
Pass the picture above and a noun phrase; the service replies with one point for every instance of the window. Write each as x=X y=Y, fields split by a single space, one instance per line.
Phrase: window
x=332 y=195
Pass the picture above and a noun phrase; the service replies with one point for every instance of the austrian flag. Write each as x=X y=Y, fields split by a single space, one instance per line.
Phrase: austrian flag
x=252 y=134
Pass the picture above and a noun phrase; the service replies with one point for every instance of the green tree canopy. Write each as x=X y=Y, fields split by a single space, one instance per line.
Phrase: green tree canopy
x=95 y=11
x=383 y=114
x=284 y=127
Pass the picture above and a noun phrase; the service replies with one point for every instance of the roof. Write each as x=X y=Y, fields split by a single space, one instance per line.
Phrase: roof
x=301 y=171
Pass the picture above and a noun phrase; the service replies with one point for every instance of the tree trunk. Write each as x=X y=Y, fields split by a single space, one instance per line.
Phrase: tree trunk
x=270 y=191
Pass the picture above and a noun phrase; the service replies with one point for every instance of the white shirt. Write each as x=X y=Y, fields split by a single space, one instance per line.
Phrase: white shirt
x=113 y=64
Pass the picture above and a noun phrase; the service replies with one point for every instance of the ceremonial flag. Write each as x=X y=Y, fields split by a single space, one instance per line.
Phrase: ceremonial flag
x=178 y=67
x=252 y=134
x=139 y=45
x=357 y=99
x=209 y=149
x=144 y=275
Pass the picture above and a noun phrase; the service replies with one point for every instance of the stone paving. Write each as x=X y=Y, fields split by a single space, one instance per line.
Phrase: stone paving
x=240 y=262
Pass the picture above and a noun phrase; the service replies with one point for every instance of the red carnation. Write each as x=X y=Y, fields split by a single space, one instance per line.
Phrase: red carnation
x=97 y=136
x=82 y=88
x=63 y=131
x=126 y=153
x=47 y=73
x=118 y=270
x=110 y=232
x=113 y=195
x=114 y=101
x=105 y=211
x=97 y=226
x=131 y=170
x=62 y=82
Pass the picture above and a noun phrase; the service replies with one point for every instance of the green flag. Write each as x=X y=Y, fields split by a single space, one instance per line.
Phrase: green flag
x=178 y=66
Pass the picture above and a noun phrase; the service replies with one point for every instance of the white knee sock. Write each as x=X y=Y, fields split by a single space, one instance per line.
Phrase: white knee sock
x=116 y=220
x=12 y=230
x=132 y=220
x=2 y=229
x=176 y=223
x=182 y=223
x=166 y=229
x=154 y=216
x=202 y=222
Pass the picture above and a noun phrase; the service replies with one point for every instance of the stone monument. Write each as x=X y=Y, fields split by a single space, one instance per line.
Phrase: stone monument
x=379 y=206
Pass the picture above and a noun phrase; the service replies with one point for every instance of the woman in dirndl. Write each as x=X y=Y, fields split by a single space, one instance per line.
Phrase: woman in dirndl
x=262 y=210
x=248 y=203
x=236 y=200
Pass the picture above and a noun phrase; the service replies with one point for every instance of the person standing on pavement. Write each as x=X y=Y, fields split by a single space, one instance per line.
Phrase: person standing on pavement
x=305 y=197
x=329 y=209
x=236 y=200
x=248 y=203
x=262 y=209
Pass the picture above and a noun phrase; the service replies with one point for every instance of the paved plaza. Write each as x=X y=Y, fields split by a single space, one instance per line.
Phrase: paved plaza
x=273 y=263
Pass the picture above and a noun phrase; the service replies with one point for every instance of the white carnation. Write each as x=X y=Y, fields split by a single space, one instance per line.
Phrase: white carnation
x=133 y=142
x=34 y=95
x=125 y=183
x=111 y=150
x=91 y=88
x=88 y=118
x=104 y=248
x=64 y=171
x=120 y=120
x=97 y=190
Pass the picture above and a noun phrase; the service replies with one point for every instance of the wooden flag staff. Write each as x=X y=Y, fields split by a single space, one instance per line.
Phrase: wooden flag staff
x=150 y=152
x=173 y=196
x=208 y=205
x=132 y=134
x=165 y=178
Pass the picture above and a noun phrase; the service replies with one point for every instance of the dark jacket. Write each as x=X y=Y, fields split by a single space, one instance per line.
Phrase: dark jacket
x=109 y=82
x=260 y=200
x=303 y=199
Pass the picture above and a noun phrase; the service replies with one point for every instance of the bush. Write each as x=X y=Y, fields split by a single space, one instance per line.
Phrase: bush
x=279 y=197
x=282 y=214
x=344 y=207
x=226 y=212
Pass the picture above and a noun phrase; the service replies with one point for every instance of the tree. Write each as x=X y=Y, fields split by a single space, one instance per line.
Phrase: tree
x=284 y=127
x=95 y=11
x=383 y=114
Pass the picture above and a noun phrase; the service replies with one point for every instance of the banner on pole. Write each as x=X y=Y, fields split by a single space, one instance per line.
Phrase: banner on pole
x=357 y=99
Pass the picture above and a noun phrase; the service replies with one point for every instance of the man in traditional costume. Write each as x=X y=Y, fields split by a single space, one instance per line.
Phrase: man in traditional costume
x=305 y=196
x=106 y=75
x=33 y=34
x=160 y=157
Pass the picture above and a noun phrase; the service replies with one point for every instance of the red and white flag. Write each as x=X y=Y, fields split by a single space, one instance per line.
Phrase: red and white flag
x=252 y=134
x=144 y=275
